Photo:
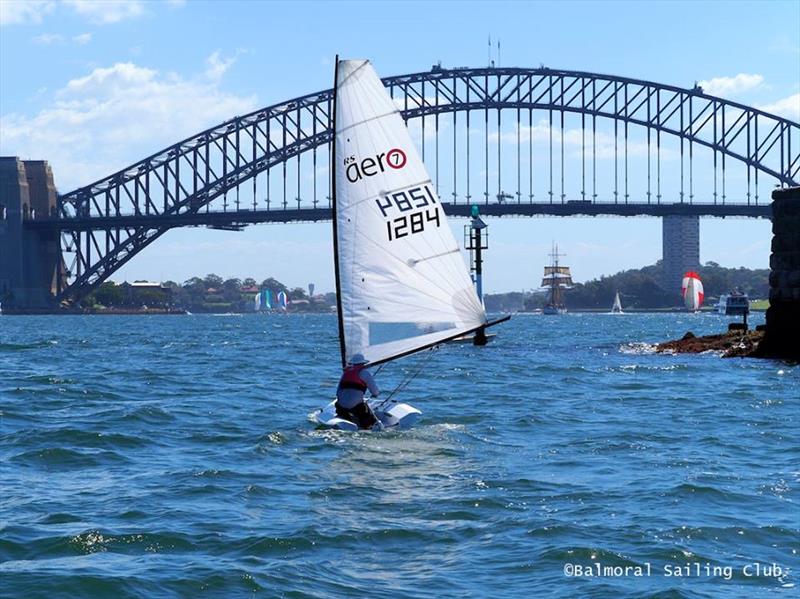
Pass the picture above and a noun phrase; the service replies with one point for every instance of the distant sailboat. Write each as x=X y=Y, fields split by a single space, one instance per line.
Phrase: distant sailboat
x=263 y=301
x=401 y=284
x=692 y=290
x=617 y=307
x=556 y=278
x=282 y=301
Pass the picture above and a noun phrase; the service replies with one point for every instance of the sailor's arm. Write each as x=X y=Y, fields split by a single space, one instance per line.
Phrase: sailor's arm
x=367 y=377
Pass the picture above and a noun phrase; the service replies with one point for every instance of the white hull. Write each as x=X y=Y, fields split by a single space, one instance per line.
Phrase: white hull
x=393 y=415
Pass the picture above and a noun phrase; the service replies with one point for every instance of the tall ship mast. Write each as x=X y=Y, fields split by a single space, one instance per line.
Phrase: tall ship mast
x=556 y=279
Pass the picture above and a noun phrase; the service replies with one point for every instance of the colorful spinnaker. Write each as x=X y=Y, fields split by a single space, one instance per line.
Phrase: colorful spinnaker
x=263 y=301
x=692 y=291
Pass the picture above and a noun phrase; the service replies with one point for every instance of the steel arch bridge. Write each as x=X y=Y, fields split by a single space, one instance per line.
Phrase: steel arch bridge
x=103 y=225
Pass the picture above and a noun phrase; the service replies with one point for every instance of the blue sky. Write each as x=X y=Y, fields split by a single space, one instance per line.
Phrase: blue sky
x=94 y=86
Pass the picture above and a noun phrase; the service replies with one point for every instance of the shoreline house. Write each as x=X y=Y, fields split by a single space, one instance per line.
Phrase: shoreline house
x=146 y=294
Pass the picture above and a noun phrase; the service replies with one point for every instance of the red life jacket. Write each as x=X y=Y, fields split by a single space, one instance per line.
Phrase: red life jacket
x=351 y=378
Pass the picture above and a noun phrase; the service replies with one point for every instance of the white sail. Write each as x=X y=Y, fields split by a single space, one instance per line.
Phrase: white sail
x=617 y=307
x=402 y=281
x=693 y=297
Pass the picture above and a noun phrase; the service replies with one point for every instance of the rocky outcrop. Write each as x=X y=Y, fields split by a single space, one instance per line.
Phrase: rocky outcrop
x=733 y=344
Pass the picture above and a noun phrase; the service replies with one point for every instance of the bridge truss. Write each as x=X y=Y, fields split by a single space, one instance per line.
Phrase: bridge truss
x=572 y=143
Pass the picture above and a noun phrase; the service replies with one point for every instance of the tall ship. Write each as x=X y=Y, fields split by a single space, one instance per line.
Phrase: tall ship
x=556 y=278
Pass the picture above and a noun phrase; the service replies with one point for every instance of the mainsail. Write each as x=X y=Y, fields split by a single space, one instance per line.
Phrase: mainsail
x=617 y=307
x=401 y=281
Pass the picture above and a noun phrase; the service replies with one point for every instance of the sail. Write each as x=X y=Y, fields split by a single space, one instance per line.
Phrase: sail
x=402 y=282
x=282 y=300
x=556 y=270
x=617 y=307
x=257 y=301
x=267 y=299
x=560 y=280
x=692 y=289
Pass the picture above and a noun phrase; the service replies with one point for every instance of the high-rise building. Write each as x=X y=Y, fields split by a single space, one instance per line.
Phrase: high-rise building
x=680 y=250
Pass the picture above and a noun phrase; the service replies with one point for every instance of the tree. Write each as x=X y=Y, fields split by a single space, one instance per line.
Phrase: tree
x=298 y=293
x=273 y=285
x=212 y=280
x=249 y=282
x=230 y=290
x=109 y=294
x=194 y=282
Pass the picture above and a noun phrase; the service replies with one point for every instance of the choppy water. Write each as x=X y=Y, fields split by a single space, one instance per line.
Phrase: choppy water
x=173 y=457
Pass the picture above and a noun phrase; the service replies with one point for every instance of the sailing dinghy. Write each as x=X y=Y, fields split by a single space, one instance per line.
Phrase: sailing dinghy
x=401 y=283
x=616 y=308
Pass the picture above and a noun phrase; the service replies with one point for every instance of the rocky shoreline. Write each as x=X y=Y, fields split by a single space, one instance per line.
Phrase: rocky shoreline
x=733 y=344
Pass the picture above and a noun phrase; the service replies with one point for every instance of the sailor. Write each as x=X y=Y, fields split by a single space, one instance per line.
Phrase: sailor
x=350 y=404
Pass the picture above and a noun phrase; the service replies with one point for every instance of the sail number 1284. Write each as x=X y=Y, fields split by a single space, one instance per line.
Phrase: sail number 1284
x=417 y=207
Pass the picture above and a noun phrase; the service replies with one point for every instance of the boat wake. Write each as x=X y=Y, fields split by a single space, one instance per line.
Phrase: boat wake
x=638 y=348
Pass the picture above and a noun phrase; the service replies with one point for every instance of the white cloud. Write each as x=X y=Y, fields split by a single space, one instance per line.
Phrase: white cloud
x=82 y=39
x=45 y=39
x=728 y=86
x=787 y=107
x=107 y=11
x=114 y=116
x=97 y=12
x=14 y=12
x=216 y=66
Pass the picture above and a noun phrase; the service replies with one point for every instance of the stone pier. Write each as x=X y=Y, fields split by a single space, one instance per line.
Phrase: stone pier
x=28 y=259
x=782 y=337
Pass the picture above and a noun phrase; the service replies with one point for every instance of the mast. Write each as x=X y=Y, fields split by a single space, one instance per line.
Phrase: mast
x=555 y=295
x=339 y=313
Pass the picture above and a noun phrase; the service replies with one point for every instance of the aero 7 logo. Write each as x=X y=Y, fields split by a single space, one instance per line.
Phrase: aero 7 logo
x=355 y=170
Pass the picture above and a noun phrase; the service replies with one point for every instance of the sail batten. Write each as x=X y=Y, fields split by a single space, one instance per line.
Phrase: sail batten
x=401 y=281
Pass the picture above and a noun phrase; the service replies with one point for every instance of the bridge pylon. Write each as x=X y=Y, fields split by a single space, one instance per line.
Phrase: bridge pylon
x=29 y=258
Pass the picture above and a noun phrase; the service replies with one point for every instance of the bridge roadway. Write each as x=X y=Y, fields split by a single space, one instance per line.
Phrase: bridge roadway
x=287 y=215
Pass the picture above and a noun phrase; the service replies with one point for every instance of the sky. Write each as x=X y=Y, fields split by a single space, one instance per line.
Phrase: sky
x=95 y=86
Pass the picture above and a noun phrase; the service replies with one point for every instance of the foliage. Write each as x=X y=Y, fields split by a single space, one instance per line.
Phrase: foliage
x=211 y=293
x=640 y=289
x=109 y=294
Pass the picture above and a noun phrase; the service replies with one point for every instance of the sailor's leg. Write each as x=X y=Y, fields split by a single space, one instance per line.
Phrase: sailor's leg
x=346 y=414
x=366 y=419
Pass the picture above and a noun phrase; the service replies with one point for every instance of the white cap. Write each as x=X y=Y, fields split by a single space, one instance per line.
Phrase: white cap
x=357 y=359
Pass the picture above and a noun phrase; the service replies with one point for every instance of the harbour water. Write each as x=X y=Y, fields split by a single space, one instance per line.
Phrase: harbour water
x=174 y=457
